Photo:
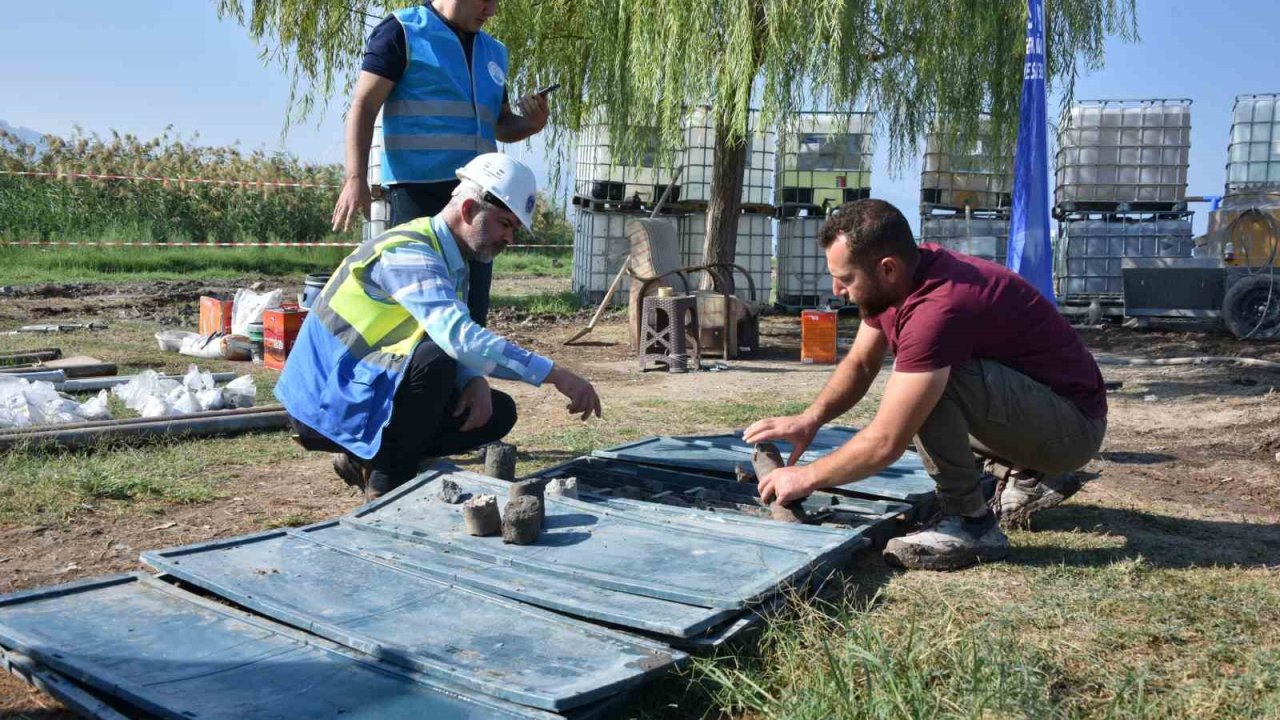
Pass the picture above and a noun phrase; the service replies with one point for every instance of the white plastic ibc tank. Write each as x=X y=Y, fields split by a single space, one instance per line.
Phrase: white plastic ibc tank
x=982 y=237
x=600 y=247
x=601 y=175
x=698 y=155
x=1090 y=251
x=976 y=176
x=1253 y=157
x=824 y=159
x=1123 y=151
x=803 y=278
x=379 y=210
x=753 y=250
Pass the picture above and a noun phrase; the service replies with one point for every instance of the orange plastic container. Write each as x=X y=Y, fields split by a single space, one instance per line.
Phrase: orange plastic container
x=215 y=316
x=818 y=336
x=279 y=331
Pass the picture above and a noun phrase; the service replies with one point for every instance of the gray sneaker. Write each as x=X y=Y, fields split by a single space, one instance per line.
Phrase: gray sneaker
x=1025 y=495
x=953 y=543
x=351 y=470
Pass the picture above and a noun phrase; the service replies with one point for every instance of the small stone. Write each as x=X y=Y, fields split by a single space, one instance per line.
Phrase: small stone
x=1278 y=457
x=563 y=487
x=451 y=493
x=1150 y=398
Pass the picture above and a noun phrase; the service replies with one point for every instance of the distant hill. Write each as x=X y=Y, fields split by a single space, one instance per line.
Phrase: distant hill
x=26 y=135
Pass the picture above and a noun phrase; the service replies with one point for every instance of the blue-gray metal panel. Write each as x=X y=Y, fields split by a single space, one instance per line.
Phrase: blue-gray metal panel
x=904 y=480
x=600 y=472
x=614 y=550
x=501 y=648
x=174 y=655
x=547 y=591
x=73 y=697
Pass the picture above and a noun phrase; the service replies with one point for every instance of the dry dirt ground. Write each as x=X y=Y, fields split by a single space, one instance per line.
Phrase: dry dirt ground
x=1196 y=443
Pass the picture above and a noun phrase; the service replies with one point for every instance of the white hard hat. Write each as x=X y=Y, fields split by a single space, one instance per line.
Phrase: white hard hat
x=511 y=181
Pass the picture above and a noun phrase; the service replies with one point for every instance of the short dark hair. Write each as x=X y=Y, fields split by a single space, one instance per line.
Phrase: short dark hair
x=873 y=229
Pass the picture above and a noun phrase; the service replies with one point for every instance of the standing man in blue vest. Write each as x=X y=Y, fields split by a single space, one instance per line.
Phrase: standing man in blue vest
x=441 y=85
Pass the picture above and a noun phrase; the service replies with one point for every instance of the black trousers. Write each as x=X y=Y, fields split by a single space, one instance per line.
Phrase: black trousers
x=411 y=201
x=422 y=421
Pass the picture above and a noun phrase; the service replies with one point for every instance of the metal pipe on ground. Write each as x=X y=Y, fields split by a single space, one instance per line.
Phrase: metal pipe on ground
x=95 y=384
x=137 y=420
x=22 y=357
x=231 y=422
x=49 y=376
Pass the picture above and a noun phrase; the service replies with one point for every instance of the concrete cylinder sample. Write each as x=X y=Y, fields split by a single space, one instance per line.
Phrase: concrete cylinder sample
x=563 y=487
x=500 y=461
x=765 y=460
x=531 y=488
x=480 y=515
x=522 y=521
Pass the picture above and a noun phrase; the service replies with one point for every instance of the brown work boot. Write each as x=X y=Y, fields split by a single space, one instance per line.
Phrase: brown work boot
x=352 y=471
x=1026 y=493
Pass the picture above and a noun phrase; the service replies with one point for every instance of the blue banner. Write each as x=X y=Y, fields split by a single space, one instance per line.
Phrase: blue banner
x=1030 y=247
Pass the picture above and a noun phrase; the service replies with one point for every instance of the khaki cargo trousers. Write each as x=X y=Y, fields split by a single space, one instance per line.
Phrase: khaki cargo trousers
x=998 y=412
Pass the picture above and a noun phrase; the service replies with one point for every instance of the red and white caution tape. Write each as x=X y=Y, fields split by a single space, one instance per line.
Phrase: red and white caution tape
x=167 y=180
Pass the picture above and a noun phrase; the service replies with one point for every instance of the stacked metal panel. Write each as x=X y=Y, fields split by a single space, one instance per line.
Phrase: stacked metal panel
x=396 y=611
x=753 y=250
x=824 y=161
x=1120 y=194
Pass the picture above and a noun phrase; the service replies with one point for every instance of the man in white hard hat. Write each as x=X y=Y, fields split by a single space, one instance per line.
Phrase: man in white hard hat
x=389 y=368
x=440 y=82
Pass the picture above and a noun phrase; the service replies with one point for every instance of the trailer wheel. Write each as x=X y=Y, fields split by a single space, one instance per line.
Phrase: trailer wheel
x=1251 y=307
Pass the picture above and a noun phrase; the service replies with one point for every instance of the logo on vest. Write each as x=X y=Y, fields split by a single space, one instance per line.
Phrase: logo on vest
x=495 y=72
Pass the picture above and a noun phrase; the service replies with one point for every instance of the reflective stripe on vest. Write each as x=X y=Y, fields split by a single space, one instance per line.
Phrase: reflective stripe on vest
x=441 y=114
x=378 y=332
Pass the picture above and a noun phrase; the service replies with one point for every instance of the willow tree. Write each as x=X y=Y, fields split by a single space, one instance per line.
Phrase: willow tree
x=646 y=63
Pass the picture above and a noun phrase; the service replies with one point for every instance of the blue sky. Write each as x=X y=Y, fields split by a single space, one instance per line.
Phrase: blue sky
x=141 y=65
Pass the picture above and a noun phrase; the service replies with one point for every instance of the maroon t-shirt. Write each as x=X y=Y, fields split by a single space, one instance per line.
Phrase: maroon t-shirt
x=963 y=308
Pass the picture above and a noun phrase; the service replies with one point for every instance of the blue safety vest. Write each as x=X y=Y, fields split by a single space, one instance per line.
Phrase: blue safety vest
x=440 y=115
x=352 y=349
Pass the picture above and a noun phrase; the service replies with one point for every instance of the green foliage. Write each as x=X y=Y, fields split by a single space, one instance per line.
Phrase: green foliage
x=27 y=265
x=76 y=209
x=648 y=61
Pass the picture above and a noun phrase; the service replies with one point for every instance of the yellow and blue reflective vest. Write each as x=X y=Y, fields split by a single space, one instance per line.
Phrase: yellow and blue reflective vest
x=395 y=291
x=441 y=113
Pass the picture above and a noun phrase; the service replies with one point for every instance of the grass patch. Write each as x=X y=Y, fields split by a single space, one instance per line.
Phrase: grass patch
x=534 y=264
x=561 y=303
x=44 y=485
x=30 y=265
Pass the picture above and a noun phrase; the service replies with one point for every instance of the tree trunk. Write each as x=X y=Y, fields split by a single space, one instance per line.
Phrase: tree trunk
x=726 y=198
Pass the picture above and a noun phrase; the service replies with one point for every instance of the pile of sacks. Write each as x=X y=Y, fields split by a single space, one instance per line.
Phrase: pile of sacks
x=151 y=395
x=24 y=403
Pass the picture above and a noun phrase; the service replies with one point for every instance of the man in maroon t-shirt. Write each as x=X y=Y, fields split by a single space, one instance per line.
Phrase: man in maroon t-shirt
x=982 y=362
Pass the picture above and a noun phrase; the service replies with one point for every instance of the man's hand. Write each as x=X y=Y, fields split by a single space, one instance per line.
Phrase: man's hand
x=794 y=482
x=353 y=199
x=477 y=402
x=533 y=108
x=582 y=396
x=795 y=429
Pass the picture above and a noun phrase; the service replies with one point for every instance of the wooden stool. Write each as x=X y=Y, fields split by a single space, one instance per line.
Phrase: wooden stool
x=664 y=333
